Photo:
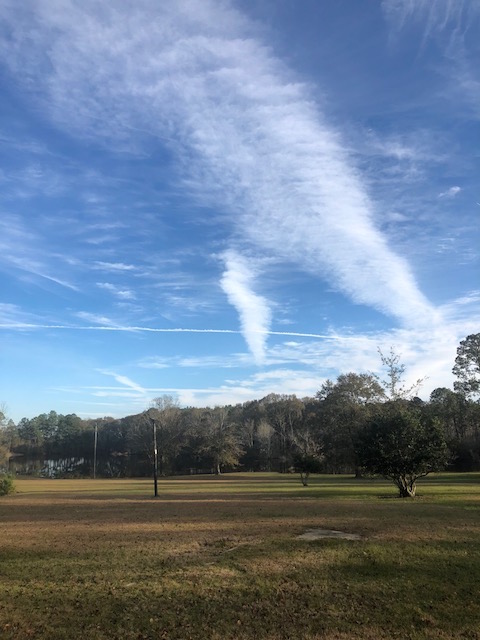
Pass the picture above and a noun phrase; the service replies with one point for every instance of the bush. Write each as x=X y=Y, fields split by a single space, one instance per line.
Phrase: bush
x=7 y=484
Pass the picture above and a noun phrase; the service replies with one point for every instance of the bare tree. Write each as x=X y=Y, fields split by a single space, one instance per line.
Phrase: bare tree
x=219 y=440
x=170 y=430
x=394 y=384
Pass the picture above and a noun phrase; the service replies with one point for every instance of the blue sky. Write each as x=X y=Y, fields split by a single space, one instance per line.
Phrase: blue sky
x=219 y=200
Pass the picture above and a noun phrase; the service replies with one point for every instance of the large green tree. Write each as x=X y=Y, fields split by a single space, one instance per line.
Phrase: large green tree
x=403 y=443
x=343 y=407
x=467 y=366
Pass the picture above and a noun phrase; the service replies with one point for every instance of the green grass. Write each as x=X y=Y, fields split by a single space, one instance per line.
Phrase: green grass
x=215 y=558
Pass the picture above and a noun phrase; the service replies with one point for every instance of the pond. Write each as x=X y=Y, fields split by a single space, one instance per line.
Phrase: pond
x=119 y=466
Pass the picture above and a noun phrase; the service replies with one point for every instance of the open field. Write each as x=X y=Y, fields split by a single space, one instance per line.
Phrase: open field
x=217 y=558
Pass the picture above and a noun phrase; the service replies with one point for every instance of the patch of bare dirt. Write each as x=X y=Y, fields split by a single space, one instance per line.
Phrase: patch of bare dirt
x=319 y=534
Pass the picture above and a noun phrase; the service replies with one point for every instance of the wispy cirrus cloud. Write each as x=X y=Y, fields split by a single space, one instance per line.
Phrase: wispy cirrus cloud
x=21 y=252
x=435 y=17
x=117 y=291
x=137 y=389
x=227 y=361
x=12 y=315
x=294 y=362
x=301 y=367
x=99 y=320
x=454 y=26
x=113 y=267
x=246 y=134
x=429 y=352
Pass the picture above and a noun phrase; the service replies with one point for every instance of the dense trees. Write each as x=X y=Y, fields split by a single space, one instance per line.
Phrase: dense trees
x=344 y=428
x=5 y=444
x=280 y=433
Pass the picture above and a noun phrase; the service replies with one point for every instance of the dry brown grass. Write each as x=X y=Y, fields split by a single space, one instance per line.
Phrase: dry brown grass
x=218 y=558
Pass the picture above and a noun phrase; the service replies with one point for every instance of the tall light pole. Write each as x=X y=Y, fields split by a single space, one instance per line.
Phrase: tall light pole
x=95 y=451
x=155 y=452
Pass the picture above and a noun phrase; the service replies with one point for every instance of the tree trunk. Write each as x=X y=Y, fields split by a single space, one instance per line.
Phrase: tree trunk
x=406 y=487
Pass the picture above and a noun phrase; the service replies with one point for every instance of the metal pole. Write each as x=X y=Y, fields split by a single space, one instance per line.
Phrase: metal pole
x=95 y=452
x=155 y=458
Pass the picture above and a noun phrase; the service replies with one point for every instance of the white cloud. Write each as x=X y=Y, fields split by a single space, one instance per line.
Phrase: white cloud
x=126 y=382
x=93 y=317
x=301 y=365
x=154 y=362
x=254 y=312
x=227 y=361
x=246 y=134
x=123 y=294
x=309 y=364
x=114 y=266
x=450 y=193
x=185 y=304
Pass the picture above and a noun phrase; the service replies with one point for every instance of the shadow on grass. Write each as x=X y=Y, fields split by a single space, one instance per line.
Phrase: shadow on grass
x=362 y=591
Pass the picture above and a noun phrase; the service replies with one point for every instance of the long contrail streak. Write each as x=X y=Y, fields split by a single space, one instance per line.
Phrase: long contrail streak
x=294 y=334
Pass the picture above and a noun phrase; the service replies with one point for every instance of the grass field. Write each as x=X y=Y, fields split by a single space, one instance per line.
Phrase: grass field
x=218 y=558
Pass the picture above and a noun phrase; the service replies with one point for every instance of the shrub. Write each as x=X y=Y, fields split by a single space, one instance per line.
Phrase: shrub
x=7 y=484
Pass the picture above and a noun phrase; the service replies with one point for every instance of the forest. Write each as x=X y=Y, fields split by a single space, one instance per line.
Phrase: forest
x=350 y=425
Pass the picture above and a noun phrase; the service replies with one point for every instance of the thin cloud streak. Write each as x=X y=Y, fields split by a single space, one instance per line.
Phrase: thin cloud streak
x=19 y=249
x=125 y=381
x=254 y=312
x=27 y=325
x=119 y=292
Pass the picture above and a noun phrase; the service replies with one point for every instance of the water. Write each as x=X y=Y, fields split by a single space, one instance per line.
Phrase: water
x=120 y=466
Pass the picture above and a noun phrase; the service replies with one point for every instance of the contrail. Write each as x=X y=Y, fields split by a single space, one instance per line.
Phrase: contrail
x=293 y=334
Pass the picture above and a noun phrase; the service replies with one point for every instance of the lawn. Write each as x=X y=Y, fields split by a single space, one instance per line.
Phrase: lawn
x=217 y=558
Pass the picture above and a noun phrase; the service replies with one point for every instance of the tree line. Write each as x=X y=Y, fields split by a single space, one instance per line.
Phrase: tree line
x=355 y=424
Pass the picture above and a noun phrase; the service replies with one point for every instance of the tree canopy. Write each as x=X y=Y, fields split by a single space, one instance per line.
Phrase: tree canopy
x=467 y=366
x=402 y=443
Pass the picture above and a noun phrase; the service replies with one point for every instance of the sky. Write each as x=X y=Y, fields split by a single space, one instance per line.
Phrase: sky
x=218 y=200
